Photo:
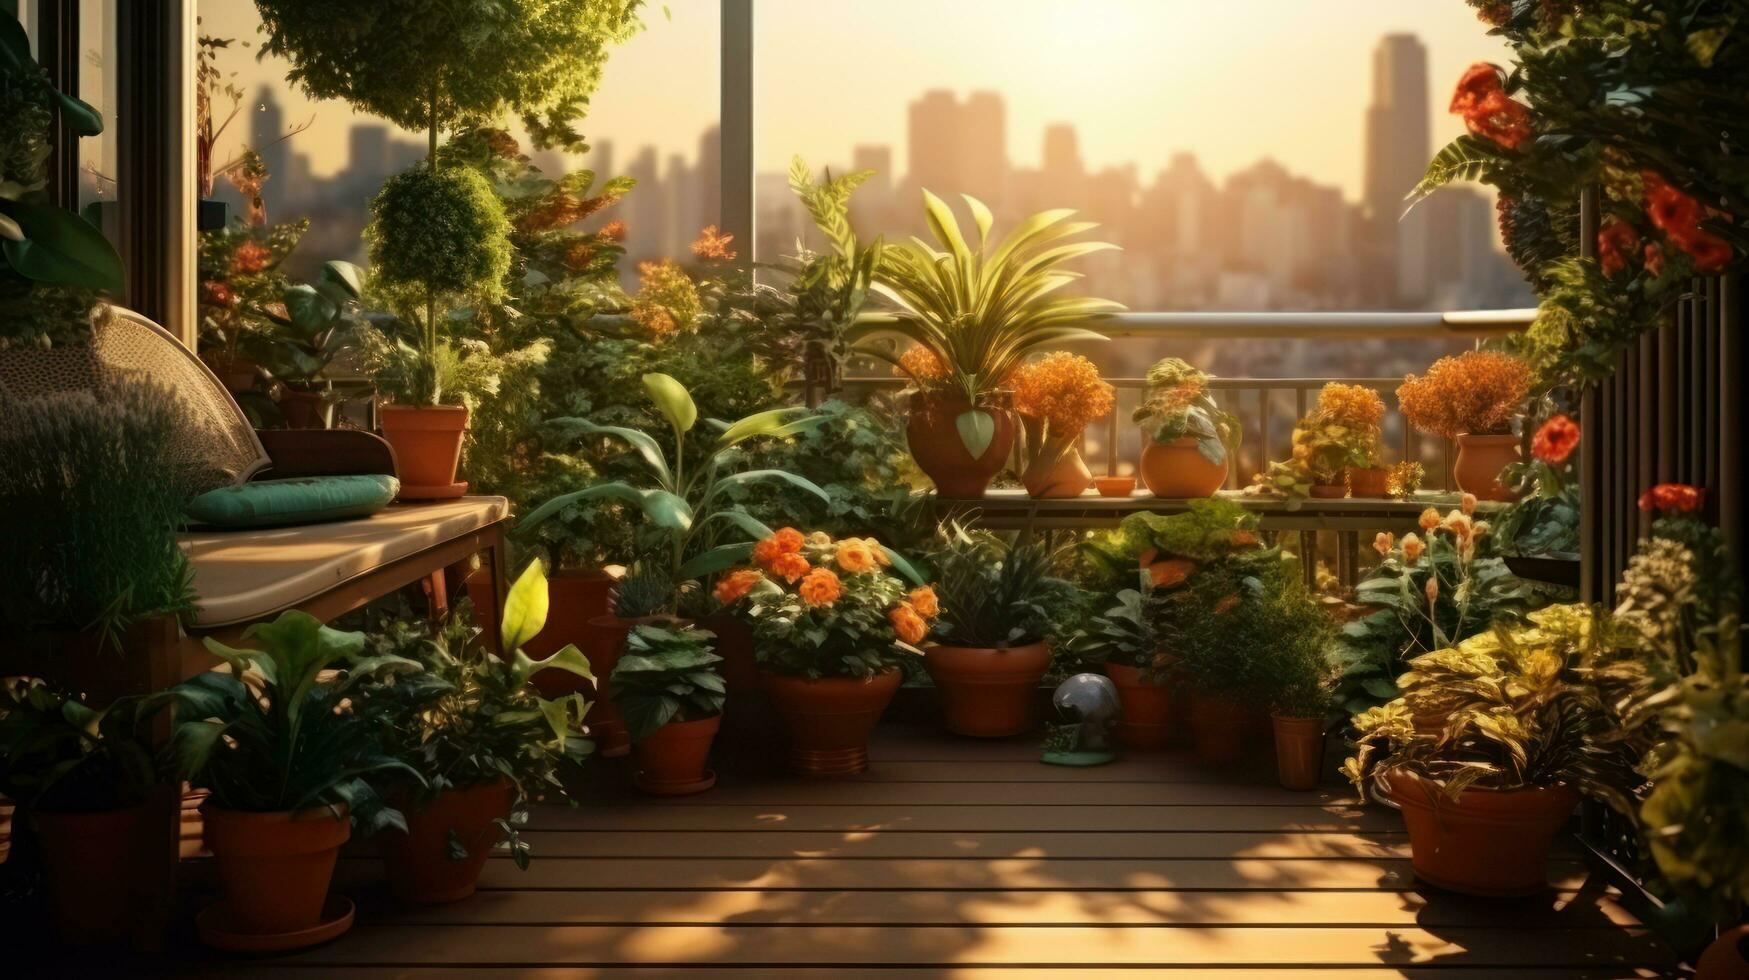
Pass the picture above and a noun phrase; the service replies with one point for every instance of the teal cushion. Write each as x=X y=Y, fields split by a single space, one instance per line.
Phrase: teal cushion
x=304 y=500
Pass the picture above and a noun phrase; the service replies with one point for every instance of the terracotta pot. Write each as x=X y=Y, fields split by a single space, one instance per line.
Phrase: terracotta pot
x=1328 y=491
x=830 y=718
x=419 y=865
x=934 y=440
x=304 y=409
x=574 y=597
x=1491 y=843
x=672 y=761
x=90 y=865
x=987 y=692
x=427 y=440
x=237 y=374
x=275 y=867
x=1479 y=462
x=1054 y=476
x=1727 y=958
x=1179 y=470
x=1217 y=729
x=607 y=640
x=1146 y=722
x=734 y=644
x=1115 y=486
x=1372 y=482
x=1299 y=751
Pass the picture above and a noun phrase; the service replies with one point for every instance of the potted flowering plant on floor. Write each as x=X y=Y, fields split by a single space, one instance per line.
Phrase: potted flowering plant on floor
x=1535 y=716
x=832 y=625
x=1123 y=641
x=83 y=778
x=287 y=759
x=670 y=694
x=975 y=314
x=1056 y=396
x=996 y=601
x=1335 y=448
x=484 y=743
x=1188 y=441
x=1472 y=398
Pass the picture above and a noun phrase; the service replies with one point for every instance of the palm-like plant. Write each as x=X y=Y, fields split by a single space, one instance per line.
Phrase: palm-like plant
x=688 y=506
x=994 y=594
x=982 y=311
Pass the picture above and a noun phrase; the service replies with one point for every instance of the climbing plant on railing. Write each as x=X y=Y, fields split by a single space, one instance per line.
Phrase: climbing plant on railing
x=1641 y=99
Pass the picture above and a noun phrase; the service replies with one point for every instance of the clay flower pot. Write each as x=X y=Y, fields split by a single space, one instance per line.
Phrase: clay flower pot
x=275 y=868
x=1179 y=470
x=1146 y=721
x=987 y=692
x=830 y=718
x=1727 y=958
x=1328 y=491
x=1055 y=475
x=1369 y=481
x=1479 y=462
x=672 y=761
x=1115 y=486
x=934 y=440
x=574 y=597
x=1493 y=843
x=303 y=409
x=427 y=440
x=1218 y=728
x=1299 y=751
x=607 y=640
x=90 y=863
x=420 y=868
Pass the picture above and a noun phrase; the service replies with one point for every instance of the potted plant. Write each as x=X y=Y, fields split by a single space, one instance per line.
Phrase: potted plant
x=832 y=625
x=287 y=761
x=312 y=324
x=975 y=314
x=1539 y=533
x=83 y=777
x=1472 y=398
x=1335 y=448
x=1123 y=641
x=1188 y=441
x=1056 y=396
x=484 y=743
x=995 y=603
x=1288 y=633
x=1534 y=719
x=668 y=691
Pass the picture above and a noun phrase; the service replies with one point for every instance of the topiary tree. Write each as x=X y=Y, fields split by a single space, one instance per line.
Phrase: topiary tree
x=443 y=231
x=440 y=64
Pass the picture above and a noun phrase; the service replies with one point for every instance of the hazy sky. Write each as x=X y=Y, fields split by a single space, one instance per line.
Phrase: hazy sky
x=1230 y=80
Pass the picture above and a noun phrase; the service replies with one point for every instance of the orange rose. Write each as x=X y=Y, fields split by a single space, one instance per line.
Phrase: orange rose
x=736 y=584
x=907 y=624
x=854 y=556
x=789 y=567
x=880 y=553
x=789 y=540
x=1429 y=519
x=1412 y=547
x=820 y=587
x=923 y=600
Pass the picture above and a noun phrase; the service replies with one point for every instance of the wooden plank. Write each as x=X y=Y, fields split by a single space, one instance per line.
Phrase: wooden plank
x=900 y=817
x=283 y=971
x=714 y=946
x=757 y=844
x=993 y=794
x=977 y=768
x=933 y=907
x=1006 y=874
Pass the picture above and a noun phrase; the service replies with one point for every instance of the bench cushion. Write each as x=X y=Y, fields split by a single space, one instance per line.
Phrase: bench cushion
x=300 y=500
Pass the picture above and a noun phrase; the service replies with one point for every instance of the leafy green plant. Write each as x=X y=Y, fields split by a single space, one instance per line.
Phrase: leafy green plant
x=1207 y=530
x=1178 y=403
x=992 y=593
x=980 y=311
x=58 y=754
x=664 y=675
x=827 y=291
x=270 y=734
x=646 y=589
x=1230 y=624
x=93 y=498
x=855 y=455
x=1289 y=635
x=1122 y=633
x=319 y=323
x=1341 y=431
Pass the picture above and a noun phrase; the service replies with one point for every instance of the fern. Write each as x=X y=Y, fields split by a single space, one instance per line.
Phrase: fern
x=1465 y=158
x=828 y=202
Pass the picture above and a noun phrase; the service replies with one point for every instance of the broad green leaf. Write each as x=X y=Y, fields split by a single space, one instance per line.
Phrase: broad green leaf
x=752 y=526
x=525 y=607
x=60 y=247
x=757 y=424
x=309 y=310
x=9 y=229
x=981 y=214
x=977 y=429
x=570 y=428
x=568 y=659
x=761 y=476
x=345 y=275
x=672 y=401
x=904 y=567
x=718 y=559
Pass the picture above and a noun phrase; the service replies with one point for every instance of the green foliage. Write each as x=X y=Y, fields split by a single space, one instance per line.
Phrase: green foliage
x=270 y=734
x=1536 y=705
x=1288 y=634
x=1178 y=403
x=855 y=455
x=241 y=284
x=646 y=589
x=1207 y=530
x=93 y=498
x=1123 y=632
x=853 y=635
x=1544 y=520
x=441 y=231
x=320 y=323
x=443 y=63
x=664 y=675
x=826 y=293
x=59 y=755
x=1230 y=625
x=992 y=593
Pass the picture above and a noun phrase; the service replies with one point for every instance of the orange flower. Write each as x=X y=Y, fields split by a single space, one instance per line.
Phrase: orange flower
x=907 y=625
x=250 y=258
x=921 y=364
x=1614 y=242
x=880 y=553
x=1412 y=547
x=1678 y=497
x=1468 y=503
x=1679 y=216
x=1383 y=542
x=1487 y=110
x=1429 y=519
x=1556 y=440
x=1478 y=392
x=820 y=587
x=1432 y=589
x=925 y=603
x=789 y=540
x=712 y=245
x=854 y=556
x=1064 y=390
x=736 y=584
x=613 y=231
x=1170 y=573
x=1355 y=406
x=789 y=566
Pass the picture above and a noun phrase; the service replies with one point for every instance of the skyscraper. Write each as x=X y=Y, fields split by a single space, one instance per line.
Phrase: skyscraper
x=957 y=148
x=266 y=129
x=1397 y=126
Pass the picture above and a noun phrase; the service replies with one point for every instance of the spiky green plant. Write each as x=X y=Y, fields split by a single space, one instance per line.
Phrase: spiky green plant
x=994 y=594
x=645 y=590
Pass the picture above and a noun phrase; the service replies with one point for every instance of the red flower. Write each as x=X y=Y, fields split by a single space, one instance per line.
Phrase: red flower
x=1487 y=110
x=1678 y=497
x=250 y=258
x=1614 y=242
x=1711 y=254
x=1678 y=215
x=1478 y=80
x=1556 y=440
x=1654 y=260
x=215 y=293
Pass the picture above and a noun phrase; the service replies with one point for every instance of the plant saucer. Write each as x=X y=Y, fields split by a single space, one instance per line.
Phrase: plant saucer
x=213 y=924
x=685 y=787
x=1077 y=758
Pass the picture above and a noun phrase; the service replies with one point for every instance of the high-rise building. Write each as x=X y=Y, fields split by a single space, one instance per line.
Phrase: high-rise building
x=1397 y=126
x=266 y=136
x=959 y=148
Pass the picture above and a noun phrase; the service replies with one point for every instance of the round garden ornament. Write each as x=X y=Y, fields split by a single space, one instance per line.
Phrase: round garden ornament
x=1088 y=707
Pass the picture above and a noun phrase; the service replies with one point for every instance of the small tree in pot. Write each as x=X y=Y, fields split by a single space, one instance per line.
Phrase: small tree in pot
x=1472 y=398
x=671 y=696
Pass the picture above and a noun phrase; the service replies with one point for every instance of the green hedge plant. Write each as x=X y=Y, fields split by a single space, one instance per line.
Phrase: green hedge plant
x=666 y=674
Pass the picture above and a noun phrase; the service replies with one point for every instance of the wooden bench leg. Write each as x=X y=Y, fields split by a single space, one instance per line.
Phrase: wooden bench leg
x=494 y=565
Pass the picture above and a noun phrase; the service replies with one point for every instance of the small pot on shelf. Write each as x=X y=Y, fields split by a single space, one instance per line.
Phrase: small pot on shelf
x=1370 y=482
x=1115 y=486
x=1299 y=751
x=427 y=440
x=1480 y=458
x=1058 y=472
x=421 y=866
x=1179 y=470
x=830 y=718
x=1146 y=703
x=933 y=435
x=987 y=692
x=674 y=760
x=1490 y=843
x=1217 y=729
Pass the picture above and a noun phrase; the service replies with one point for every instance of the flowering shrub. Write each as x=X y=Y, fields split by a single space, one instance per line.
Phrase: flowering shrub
x=1544 y=520
x=1341 y=431
x=1487 y=110
x=667 y=300
x=828 y=608
x=1062 y=390
x=1474 y=393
